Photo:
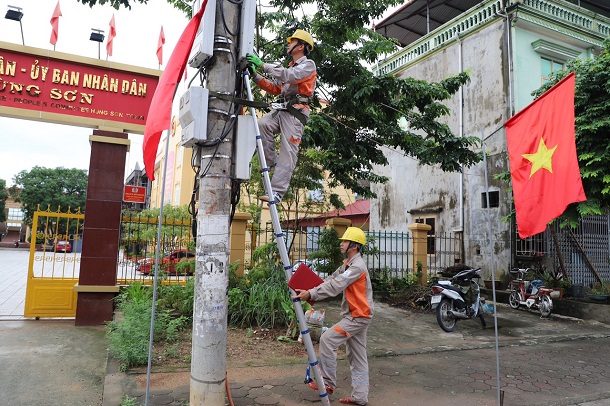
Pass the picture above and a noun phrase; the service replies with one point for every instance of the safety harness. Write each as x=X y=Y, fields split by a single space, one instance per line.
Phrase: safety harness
x=279 y=104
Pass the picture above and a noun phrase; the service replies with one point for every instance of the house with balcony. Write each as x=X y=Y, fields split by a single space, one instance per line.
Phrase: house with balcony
x=509 y=48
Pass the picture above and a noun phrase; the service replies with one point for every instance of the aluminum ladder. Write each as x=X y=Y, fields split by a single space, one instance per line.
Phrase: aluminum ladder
x=281 y=243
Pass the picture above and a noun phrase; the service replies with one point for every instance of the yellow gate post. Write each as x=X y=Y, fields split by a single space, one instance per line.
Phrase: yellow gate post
x=420 y=249
x=238 y=240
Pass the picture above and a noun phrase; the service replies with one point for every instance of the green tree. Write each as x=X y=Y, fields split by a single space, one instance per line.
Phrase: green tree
x=3 y=197
x=592 y=111
x=53 y=188
x=362 y=118
x=350 y=134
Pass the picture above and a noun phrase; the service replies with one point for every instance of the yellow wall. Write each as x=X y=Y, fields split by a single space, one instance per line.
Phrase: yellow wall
x=180 y=176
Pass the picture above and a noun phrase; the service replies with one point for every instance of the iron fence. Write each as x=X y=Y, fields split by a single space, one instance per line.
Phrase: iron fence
x=138 y=244
x=389 y=253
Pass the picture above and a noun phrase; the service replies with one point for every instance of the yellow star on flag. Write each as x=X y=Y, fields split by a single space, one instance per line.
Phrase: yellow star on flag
x=542 y=159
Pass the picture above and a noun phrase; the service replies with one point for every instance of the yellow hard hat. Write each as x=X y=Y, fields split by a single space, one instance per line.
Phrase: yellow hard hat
x=303 y=36
x=354 y=234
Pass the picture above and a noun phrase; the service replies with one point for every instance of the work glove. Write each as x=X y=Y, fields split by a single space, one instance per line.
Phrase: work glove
x=254 y=60
x=251 y=70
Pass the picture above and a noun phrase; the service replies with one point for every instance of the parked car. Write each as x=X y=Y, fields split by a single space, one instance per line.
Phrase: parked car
x=168 y=262
x=63 y=246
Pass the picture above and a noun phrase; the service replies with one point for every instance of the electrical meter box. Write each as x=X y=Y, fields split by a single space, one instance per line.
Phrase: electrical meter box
x=245 y=146
x=246 y=34
x=193 y=115
x=203 y=47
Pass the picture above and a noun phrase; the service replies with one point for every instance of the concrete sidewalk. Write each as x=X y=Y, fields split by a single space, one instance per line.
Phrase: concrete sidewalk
x=412 y=362
x=51 y=363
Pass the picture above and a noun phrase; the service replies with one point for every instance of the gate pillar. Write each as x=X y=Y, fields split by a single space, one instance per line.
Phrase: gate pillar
x=97 y=280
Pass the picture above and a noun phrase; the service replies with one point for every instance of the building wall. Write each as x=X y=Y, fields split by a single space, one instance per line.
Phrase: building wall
x=180 y=177
x=501 y=84
x=434 y=193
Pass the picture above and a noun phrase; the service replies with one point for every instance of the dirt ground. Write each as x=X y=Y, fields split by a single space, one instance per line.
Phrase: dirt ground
x=244 y=347
x=257 y=347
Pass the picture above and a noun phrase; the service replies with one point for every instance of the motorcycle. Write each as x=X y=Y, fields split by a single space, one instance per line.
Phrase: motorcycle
x=534 y=296
x=458 y=299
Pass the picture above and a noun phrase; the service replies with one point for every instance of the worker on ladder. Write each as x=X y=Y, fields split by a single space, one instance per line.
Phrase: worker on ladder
x=295 y=85
x=351 y=278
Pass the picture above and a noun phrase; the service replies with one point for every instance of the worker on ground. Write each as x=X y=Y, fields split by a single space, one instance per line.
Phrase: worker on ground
x=290 y=113
x=351 y=278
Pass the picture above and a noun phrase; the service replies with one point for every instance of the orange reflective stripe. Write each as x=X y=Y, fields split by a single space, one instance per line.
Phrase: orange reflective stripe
x=356 y=297
x=269 y=87
x=306 y=86
x=341 y=331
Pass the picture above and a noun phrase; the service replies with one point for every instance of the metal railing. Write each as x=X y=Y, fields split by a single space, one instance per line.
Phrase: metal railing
x=138 y=241
x=390 y=252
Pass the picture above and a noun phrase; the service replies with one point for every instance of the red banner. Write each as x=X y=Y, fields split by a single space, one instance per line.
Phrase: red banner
x=134 y=194
x=78 y=90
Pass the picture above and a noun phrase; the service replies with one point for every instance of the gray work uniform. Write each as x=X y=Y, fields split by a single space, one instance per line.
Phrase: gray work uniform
x=298 y=79
x=357 y=310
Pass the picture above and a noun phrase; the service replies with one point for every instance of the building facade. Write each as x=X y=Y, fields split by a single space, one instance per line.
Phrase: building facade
x=509 y=48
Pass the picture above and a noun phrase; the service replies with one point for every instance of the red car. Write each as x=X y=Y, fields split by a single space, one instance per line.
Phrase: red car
x=168 y=262
x=63 y=246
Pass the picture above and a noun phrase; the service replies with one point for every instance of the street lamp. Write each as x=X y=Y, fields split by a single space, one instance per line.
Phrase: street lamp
x=97 y=36
x=14 y=13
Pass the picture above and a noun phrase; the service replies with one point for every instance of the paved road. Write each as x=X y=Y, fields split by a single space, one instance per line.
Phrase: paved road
x=413 y=362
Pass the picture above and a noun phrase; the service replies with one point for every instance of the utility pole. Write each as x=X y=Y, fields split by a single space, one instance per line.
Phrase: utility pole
x=208 y=363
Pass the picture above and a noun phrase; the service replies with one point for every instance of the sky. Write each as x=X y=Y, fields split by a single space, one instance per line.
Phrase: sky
x=24 y=143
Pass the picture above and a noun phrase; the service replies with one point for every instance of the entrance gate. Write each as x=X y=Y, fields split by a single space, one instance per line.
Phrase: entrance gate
x=53 y=269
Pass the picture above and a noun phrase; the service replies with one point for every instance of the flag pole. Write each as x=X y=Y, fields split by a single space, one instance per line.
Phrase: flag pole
x=158 y=250
x=156 y=277
x=493 y=275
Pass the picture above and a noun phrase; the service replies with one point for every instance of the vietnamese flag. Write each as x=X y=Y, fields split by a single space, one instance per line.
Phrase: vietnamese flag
x=160 y=46
x=55 y=24
x=111 y=36
x=160 y=110
x=542 y=155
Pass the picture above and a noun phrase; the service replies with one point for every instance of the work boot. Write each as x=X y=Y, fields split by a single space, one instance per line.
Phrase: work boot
x=276 y=197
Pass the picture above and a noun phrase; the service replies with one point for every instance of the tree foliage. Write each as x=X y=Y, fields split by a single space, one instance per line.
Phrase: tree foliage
x=361 y=121
x=592 y=111
x=57 y=188
x=3 y=197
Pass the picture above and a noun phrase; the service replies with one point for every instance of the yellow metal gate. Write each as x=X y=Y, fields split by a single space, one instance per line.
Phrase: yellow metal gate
x=54 y=264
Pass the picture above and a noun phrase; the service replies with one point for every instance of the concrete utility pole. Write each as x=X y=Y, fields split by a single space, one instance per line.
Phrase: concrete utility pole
x=208 y=364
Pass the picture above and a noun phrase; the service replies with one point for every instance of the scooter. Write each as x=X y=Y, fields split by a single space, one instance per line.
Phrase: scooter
x=458 y=299
x=535 y=296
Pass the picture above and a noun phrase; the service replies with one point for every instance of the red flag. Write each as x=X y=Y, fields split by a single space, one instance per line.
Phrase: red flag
x=160 y=46
x=542 y=155
x=55 y=24
x=160 y=108
x=111 y=36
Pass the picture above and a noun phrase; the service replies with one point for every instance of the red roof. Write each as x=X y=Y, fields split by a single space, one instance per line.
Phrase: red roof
x=358 y=212
x=359 y=207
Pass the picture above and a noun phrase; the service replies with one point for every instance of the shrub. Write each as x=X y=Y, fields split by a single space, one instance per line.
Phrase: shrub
x=129 y=335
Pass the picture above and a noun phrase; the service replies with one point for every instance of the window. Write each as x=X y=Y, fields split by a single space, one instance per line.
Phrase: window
x=177 y=194
x=431 y=242
x=494 y=199
x=15 y=214
x=550 y=66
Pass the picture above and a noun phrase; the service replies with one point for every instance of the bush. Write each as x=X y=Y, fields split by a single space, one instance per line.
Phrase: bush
x=129 y=336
